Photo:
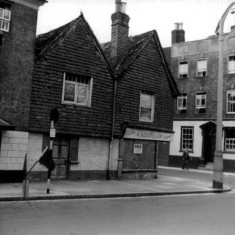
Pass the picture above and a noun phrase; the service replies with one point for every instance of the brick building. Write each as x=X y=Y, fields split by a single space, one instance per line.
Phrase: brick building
x=18 y=20
x=194 y=65
x=115 y=102
x=145 y=90
x=72 y=74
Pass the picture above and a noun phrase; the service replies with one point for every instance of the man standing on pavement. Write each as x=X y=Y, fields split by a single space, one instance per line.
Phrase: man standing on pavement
x=186 y=158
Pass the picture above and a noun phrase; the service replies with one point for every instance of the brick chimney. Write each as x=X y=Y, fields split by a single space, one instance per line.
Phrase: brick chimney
x=177 y=35
x=120 y=31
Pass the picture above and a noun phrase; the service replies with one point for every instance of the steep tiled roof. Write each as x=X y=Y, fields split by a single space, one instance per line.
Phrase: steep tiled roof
x=136 y=44
x=45 y=41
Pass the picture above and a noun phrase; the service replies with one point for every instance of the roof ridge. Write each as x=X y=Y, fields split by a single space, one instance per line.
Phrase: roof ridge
x=133 y=49
x=53 y=36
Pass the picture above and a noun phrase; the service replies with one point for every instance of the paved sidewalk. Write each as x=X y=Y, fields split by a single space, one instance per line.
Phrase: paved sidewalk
x=66 y=189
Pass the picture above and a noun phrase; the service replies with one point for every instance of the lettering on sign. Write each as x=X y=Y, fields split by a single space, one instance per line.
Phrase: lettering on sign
x=147 y=135
x=138 y=148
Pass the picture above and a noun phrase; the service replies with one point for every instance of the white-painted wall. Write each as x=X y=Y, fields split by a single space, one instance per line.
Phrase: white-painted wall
x=197 y=143
x=34 y=151
x=114 y=153
x=92 y=154
x=14 y=146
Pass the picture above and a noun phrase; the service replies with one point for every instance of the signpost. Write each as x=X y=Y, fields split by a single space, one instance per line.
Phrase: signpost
x=54 y=117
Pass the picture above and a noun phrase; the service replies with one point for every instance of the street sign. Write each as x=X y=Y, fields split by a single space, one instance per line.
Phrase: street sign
x=52 y=133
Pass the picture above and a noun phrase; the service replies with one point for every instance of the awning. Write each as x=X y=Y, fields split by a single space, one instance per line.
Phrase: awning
x=208 y=125
x=5 y=125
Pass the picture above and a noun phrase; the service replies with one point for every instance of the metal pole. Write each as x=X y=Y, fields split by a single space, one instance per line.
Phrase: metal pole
x=218 y=158
x=50 y=149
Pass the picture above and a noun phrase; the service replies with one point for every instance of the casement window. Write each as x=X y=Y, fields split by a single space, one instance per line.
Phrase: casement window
x=183 y=69
x=229 y=142
x=77 y=89
x=147 y=102
x=201 y=102
x=182 y=103
x=231 y=64
x=187 y=138
x=5 y=17
x=231 y=101
x=202 y=68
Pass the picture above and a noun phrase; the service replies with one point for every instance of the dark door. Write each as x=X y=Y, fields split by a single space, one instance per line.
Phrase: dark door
x=208 y=144
x=60 y=155
x=163 y=153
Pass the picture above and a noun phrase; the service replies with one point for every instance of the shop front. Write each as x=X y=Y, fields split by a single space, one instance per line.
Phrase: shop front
x=141 y=151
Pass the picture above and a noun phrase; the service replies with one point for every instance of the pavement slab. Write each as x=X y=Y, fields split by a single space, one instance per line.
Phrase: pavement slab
x=68 y=189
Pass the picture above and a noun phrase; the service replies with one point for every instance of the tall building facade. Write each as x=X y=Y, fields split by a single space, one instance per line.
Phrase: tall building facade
x=194 y=65
x=18 y=22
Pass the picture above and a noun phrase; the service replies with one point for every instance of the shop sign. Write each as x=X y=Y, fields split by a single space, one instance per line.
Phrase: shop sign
x=147 y=135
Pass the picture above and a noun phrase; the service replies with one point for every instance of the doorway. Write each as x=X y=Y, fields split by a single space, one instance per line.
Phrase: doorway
x=208 y=141
x=60 y=154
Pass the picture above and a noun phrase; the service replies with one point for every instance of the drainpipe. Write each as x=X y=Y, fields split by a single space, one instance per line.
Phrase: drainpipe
x=112 y=125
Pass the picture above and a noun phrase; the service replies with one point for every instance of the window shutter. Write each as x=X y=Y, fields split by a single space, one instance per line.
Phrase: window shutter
x=231 y=66
x=201 y=65
x=183 y=69
x=74 y=150
x=45 y=141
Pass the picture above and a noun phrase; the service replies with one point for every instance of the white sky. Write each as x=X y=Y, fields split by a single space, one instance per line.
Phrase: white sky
x=199 y=17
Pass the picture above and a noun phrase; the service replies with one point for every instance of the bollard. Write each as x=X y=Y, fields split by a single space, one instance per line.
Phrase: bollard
x=25 y=190
x=120 y=161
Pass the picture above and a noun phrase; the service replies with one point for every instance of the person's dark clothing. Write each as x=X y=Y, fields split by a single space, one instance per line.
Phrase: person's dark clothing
x=186 y=158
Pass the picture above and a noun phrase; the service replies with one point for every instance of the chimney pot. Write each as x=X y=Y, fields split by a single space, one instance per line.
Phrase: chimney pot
x=178 y=34
x=120 y=6
x=178 y=26
x=120 y=31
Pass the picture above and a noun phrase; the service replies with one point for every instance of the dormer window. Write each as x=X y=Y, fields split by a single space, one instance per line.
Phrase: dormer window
x=5 y=18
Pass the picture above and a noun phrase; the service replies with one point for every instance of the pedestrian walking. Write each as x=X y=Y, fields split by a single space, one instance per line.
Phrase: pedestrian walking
x=186 y=158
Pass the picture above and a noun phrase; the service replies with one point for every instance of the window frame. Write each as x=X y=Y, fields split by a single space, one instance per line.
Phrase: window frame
x=229 y=64
x=181 y=74
x=5 y=21
x=75 y=83
x=232 y=103
x=183 y=96
x=229 y=141
x=200 y=106
x=202 y=70
x=182 y=145
x=142 y=119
